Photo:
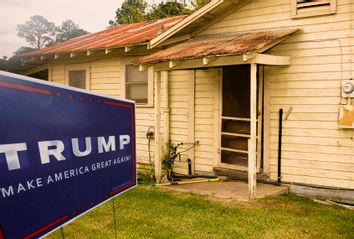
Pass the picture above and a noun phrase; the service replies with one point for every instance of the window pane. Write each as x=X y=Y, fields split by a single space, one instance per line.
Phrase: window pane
x=136 y=84
x=138 y=92
x=77 y=79
x=134 y=75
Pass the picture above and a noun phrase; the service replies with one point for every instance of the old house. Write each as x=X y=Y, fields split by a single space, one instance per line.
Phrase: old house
x=230 y=77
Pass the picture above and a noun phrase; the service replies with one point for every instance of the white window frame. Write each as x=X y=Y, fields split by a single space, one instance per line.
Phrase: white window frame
x=150 y=73
x=316 y=12
x=78 y=67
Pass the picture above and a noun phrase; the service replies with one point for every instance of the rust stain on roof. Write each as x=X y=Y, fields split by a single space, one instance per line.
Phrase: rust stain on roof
x=116 y=36
x=218 y=45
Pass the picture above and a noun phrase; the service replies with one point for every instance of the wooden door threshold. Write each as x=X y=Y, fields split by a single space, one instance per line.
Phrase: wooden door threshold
x=238 y=174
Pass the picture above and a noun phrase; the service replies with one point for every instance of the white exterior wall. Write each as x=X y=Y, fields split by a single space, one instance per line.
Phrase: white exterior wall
x=315 y=151
x=105 y=78
x=206 y=88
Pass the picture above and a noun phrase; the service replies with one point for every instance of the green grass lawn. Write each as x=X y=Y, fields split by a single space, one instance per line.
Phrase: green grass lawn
x=150 y=212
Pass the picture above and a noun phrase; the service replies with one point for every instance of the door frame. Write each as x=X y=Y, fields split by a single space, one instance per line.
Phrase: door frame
x=218 y=122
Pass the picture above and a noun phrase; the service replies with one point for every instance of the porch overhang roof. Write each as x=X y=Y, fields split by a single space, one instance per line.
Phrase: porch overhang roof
x=208 y=48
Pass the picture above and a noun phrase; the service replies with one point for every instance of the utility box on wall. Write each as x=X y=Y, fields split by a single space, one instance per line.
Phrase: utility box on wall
x=346 y=112
x=346 y=117
x=348 y=88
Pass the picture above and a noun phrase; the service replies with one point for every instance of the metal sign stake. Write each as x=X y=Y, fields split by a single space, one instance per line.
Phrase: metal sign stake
x=114 y=219
x=62 y=233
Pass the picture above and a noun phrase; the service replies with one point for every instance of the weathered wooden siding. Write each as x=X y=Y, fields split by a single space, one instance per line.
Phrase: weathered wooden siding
x=58 y=73
x=315 y=151
x=205 y=91
x=178 y=97
x=105 y=78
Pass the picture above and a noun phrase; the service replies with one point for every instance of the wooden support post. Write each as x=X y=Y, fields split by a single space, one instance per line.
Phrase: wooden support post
x=217 y=114
x=166 y=106
x=50 y=71
x=191 y=117
x=157 y=161
x=260 y=119
x=252 y=142
x=266 y=120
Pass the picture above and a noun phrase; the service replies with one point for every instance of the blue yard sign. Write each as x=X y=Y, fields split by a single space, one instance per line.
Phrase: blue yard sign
x=62 y=152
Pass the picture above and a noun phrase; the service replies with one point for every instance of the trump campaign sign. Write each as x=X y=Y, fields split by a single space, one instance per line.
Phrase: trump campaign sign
x=63 y=151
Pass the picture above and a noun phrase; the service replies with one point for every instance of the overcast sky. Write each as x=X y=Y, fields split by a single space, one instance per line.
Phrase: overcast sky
x=90 y=15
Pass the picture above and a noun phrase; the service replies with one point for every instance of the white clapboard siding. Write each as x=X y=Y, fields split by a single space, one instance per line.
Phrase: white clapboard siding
x=315 y=150
x=315 y=158
x=277 y=16
x=204 y=122
x=105 y=78
x=58 y=73
x=178 y=97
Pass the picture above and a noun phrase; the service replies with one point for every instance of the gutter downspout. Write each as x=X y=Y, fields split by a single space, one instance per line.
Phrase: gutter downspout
x=279 y=144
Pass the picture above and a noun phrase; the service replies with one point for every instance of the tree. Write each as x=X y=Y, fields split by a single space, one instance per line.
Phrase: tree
x=168 y=9
x=4 y=63
x=14 y=62
x=199 y=3
x=38 y=31
x=139 y=10
x=68 y=30
x=130 y=11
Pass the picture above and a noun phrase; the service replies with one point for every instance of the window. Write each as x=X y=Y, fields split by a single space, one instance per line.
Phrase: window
x=308 y=8
x=77 y=76
x=136 y=84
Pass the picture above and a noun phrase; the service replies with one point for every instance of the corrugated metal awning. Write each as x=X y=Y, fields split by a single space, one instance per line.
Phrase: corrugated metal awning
x=219 y=45
x=112 y=37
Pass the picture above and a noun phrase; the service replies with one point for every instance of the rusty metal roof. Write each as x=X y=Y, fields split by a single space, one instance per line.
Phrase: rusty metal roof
x=112 y=37
x=219 y=45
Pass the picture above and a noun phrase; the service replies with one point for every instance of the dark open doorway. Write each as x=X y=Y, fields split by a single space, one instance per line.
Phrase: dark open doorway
x=235 y=125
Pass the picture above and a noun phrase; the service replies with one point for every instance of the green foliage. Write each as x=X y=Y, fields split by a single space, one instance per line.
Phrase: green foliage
x=168 y=9
x=169 y=159
x=199 y=3
x=14 y=63
x=68 y=30
x=3 y=64
x=131 y=11
x=139 y=10
x=38 y=31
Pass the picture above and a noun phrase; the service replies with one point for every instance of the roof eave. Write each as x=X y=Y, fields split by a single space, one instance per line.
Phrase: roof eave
x=218 y=61
x=152 y=59
x=185 y=22
x=89 y=52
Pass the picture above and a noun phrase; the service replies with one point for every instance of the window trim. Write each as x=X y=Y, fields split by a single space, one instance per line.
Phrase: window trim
x=150 y=84
x=78 y=67
x=294 y=10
